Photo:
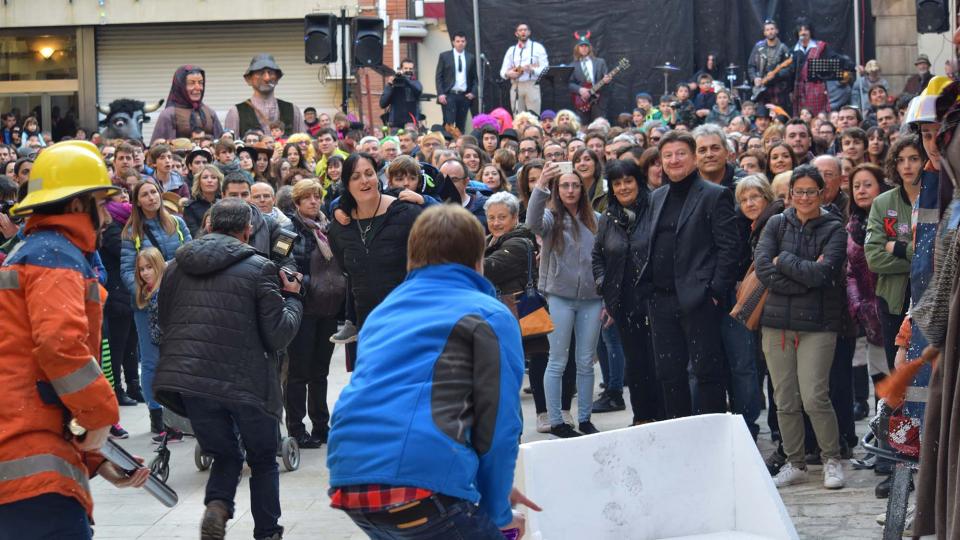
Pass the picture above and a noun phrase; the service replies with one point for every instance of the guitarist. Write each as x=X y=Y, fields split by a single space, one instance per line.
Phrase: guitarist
x=767 y=55
x=588 y=71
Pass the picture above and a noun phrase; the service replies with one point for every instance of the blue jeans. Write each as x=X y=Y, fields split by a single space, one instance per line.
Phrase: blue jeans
x=457 y=521
x=582 y=319
x=740 y=346
x=50 y=515
x=612 y=361
x=213 y=422
x=149 y=356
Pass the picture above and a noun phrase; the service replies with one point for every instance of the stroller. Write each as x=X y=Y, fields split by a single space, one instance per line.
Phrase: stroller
x=288 y=452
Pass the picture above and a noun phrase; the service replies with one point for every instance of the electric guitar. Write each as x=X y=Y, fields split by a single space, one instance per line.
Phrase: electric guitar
x=757 y=90
x=584 y=105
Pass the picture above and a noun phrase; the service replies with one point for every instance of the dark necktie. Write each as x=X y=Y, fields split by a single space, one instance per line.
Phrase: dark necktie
x=459 y=64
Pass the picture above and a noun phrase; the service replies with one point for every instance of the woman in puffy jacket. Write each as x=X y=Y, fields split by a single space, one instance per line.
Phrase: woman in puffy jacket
x=150 y=225
x=866 y=183
x=800 y=259
x=622 y=237
x=568 y=227
x=324 y=289
x=509 y=262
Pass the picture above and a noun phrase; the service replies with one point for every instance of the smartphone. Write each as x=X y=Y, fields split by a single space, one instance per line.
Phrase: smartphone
x=566 y=167
x=289 y=275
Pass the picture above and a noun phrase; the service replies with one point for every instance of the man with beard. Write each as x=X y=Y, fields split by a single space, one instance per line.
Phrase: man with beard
x=263 y=107
x=767 y=54
x=522 y=64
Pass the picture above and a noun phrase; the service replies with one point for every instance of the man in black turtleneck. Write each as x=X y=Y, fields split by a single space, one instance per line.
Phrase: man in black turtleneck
x=691 y=268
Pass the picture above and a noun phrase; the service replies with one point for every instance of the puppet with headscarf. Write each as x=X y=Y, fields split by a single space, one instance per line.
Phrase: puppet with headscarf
x=185 y=111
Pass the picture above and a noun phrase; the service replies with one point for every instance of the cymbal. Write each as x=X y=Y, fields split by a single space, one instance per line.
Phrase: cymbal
x=427 y=97
x=667 y=67
x=732 y=67
x=744 y=86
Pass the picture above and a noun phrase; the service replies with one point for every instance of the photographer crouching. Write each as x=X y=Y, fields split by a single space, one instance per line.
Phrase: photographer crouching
x=402 y=96
x=223 y=311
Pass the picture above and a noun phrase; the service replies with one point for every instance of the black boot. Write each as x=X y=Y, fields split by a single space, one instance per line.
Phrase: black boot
x=609 y=401
x=122 y=398
x=156 y=420
x=134 y=392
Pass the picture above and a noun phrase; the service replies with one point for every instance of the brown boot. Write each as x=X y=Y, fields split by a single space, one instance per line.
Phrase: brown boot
x=214 y=524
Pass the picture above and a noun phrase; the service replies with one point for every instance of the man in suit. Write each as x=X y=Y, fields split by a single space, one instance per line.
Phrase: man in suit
x=456 y=82
x=690 y=270
x=587 y=68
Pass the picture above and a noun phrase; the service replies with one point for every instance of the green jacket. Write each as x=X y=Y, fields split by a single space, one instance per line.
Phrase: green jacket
x=891 y=220
x=598 y=195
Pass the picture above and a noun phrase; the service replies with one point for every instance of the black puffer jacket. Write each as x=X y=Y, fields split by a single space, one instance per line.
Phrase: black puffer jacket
x=505 y=260
x=193 y=214
x=617 y=240
x=377 y=268
x=505 y=265
x=222 y=316
x=118 y=297
x=805 y=294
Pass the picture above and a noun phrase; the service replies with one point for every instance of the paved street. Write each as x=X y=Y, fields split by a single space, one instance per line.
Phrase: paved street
x=817 y=513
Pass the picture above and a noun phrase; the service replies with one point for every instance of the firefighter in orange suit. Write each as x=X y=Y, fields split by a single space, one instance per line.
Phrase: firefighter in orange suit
x=50 y=314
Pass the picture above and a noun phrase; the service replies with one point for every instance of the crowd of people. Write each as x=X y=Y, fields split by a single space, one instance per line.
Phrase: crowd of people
x=644 y=237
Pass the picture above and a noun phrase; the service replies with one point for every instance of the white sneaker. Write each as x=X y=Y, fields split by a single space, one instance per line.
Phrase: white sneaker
x=347 y=334
x=543 y=423
x=567 y=418
x=833 y=474
x=790 y=475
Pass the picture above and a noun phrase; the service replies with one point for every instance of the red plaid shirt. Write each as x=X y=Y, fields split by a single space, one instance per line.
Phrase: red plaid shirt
x=375 y=497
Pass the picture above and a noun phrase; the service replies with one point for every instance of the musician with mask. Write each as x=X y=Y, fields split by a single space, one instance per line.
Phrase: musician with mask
x=522 y=65
x=588 y=72
x=769 y=70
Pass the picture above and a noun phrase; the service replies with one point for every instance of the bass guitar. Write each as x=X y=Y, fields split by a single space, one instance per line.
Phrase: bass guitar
x=758 y=90
x=584 y=105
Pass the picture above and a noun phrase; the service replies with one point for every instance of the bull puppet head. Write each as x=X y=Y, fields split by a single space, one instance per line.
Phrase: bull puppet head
x=125 y=118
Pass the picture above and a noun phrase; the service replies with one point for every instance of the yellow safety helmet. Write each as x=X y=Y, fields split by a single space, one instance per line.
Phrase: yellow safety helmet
x=923 y=108
x=62 y=171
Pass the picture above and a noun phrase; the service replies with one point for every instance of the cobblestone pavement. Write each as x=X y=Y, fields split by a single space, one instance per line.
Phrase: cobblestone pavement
x=817 y=513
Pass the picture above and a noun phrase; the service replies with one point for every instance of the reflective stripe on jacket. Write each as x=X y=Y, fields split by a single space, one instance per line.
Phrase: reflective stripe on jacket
x=51 y=308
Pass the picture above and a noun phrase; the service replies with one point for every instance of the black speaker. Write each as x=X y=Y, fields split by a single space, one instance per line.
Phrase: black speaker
x=320 y=38
x=367 y=41
x=933 y=16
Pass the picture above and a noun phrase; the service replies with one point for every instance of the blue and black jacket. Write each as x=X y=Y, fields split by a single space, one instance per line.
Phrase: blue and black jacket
x=434 y=402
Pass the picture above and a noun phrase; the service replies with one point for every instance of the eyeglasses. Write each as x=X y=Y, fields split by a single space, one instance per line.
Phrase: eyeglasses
x=750 y=199
x=568 y=186
x=528 y=150
x=805 y=193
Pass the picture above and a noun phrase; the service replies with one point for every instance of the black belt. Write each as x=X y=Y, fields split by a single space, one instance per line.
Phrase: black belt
x=413 y=514
x=457 y=92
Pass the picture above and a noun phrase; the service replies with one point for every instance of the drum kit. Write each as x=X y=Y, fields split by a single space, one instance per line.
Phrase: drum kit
x=667 y=68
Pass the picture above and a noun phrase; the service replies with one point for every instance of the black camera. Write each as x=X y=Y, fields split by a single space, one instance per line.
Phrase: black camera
x=5 y=206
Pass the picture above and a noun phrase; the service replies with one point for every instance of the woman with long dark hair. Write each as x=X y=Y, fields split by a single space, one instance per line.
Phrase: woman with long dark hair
x=568 y=227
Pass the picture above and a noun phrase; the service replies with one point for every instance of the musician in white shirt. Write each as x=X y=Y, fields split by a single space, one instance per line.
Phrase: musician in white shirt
x=523 y=64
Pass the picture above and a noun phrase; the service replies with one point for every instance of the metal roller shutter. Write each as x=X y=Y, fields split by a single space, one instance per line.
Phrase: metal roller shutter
x=138 y=62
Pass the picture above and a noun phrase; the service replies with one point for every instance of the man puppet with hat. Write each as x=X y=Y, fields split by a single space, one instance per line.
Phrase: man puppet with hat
x=263 y=107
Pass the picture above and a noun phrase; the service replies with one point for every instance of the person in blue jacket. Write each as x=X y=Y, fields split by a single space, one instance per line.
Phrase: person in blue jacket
x=424 y=438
